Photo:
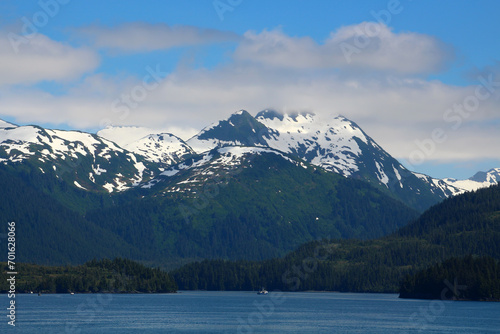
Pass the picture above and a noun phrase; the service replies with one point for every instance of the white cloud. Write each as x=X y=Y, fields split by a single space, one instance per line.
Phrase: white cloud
x=366 y=46
x=36 y=58
x=144 y=37
x=394 y=105
x=396 y=113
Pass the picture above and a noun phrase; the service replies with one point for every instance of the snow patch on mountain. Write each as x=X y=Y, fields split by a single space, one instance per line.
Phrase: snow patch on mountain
x=382 y=177
x=439 y=185
x=163 y=148
x=78 y=185
x=65 y=149
x=478 y=181
x=329 y=144
x=220 y=161
x=240 y=129
x=5 y=124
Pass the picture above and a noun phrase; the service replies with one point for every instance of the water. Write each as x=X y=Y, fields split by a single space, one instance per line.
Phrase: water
x=247 y=312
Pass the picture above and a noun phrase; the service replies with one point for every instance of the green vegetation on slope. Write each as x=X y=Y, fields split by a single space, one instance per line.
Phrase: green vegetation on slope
x=47 y=232
x=262 y=211
x=265 y=209
x=118 y=275
x=466 y=278
x=366 y=266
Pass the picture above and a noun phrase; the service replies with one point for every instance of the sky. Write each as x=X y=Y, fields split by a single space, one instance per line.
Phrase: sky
x=422 y=78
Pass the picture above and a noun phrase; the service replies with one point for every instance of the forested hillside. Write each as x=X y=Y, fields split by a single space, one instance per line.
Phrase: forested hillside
x=468 y=224
x=467 y=278
x=263 y=209
x=47 y=230
x=118 y=275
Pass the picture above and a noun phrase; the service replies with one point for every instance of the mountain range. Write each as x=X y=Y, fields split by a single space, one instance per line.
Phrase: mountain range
x=337 y=145
x=243 y=187
x=466 y=225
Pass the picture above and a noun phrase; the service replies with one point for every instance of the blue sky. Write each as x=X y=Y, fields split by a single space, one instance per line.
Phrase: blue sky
x=402 y=69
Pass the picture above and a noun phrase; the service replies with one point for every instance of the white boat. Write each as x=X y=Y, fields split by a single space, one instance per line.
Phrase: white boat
x=263 y=292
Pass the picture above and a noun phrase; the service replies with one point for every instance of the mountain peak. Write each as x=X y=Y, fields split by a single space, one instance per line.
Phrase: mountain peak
x=240 y=128
x=241 y=112
x=164 y=148
x=5 y=124
x=491 y=176
x=238 y=117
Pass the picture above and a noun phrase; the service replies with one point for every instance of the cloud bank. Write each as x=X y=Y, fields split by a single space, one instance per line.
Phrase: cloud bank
x=383 y=86
x=367 y=46
x=141 y=37
x=39 y=58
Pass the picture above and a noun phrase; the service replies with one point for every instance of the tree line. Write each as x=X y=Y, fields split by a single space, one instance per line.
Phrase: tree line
x=102 y=276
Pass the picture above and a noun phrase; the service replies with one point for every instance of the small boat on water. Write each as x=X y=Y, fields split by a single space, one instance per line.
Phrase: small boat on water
x=263 y=292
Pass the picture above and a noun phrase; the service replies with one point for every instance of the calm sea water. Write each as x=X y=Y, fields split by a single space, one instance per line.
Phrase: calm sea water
x=247 y=312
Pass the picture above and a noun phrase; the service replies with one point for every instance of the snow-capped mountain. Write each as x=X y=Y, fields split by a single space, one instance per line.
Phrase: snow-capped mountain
x=240 y=128
x=439 y=185
x=118 y=158
x=163 y=148
x=337 y=145
x=479 y=180
x=215 y=165
x=331 y=145
x=91 y=162
x=4 y=124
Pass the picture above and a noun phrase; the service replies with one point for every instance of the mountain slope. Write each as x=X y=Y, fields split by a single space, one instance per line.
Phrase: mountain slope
x=240 y=128
x=337 y=145
x=478 y=279
x=163 y=148
x=47 y=231
x=87 y=161
x=478 y=181
x=468 y=224
x=252 y=203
